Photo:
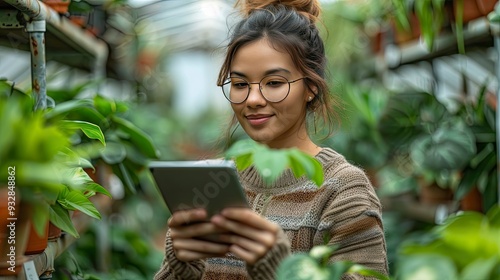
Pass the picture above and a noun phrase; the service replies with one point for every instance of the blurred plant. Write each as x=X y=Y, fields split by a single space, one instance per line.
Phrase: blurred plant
x=315 y=265
x=49 y=174
x=466 y=246
x=359 y=135
x=131 y=256
x=270 y=163
x=128 y=149
x=481 y=171
x=439 y=144
x=432 y=16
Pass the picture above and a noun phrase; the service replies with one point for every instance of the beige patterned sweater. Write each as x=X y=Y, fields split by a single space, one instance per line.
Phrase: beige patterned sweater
x=345 y=210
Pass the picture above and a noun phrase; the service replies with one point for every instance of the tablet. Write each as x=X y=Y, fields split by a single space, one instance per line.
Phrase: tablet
x=209 y=184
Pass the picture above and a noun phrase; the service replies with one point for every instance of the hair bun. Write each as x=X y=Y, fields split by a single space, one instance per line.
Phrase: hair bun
x=309 y=8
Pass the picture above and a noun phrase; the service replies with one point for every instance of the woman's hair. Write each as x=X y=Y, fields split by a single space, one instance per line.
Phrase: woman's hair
x=288 y=26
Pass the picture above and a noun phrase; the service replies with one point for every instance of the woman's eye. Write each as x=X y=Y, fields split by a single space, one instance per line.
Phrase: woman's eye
x=240 y=84
x=274 y=83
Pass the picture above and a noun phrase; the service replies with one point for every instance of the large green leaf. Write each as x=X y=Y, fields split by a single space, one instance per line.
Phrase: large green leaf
x=39 y=215
x=270 y=164
x=59 y=216
x=74 y=200
x=449 y=148
x=92 y=131
x=301 y=163
x=480 y=269
x=139 y=138
x=426 y=266
x=113 y=153
x=109 y=107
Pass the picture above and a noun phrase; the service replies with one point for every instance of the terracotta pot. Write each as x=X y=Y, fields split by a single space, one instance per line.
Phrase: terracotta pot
x=486 y=6
x=473 y=201
x=36 y=243
x=472 y=10
x=54 y=232
x=401 y=36
x=60 y=6
x=14 y=230
x=433 y=194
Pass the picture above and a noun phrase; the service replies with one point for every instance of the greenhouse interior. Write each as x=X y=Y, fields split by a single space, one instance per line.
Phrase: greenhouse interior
x=94 y=92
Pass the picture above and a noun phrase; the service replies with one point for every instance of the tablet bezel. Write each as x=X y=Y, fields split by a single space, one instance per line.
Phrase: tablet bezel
x=209 y=184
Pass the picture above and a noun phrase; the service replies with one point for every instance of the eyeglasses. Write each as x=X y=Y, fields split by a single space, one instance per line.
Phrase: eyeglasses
x=274 y=88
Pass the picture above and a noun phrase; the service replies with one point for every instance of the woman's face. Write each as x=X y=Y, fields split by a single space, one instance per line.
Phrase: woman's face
x=281 y=124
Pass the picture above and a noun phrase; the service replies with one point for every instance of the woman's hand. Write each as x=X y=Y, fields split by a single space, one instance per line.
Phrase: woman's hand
x=186 y=227
x=251 y=235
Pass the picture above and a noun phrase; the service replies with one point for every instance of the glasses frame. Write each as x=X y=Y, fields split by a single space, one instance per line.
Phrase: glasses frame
x=260 y=88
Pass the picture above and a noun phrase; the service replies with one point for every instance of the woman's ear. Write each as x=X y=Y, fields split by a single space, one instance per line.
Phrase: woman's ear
x=311 y=93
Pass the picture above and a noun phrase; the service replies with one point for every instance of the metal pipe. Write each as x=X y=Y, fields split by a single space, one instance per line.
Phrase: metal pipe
x=36 y=31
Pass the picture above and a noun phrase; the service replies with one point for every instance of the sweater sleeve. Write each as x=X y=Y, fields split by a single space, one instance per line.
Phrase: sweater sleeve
x=174 y=269
x=354 y=214
x=266 y=267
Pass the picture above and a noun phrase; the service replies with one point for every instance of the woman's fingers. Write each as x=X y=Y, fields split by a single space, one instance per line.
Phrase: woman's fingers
x=251 y=235
x=187 y=216
x=250 y=218
x=200 y=246
x=253 y=227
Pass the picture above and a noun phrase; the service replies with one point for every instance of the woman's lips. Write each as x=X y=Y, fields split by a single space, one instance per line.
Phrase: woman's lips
x=256 y=120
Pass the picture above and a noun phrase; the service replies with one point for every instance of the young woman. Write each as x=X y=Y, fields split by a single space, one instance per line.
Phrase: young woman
x=273 y=75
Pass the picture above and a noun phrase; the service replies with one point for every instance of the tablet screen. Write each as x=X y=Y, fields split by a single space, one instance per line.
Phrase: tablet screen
x=209 y=184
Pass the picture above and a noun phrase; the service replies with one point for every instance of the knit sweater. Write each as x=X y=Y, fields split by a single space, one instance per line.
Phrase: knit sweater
x=344 y=211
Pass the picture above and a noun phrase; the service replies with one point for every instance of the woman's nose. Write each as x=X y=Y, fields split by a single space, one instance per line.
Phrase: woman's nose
x=255 y=97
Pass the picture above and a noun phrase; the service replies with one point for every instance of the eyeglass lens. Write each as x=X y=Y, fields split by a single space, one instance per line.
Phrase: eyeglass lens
x=273 y=88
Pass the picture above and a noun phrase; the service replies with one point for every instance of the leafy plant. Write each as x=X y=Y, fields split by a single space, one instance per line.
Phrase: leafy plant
x=128 y=148
x=270 y=163
x=359 y=134
x=49 y=166
x=466 y=246
x=438 y=143
x=315 y=265
x=481 y=170
x=432 y=16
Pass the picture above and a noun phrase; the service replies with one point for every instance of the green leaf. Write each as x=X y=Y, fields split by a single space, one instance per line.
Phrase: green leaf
x=480 y=269
x=426 y=266
x=109 y=107
x=301 y=163
x=242 y=147
x=124 y=175
x=270 y=164
x=139 y=139
x=61 y=219
x=364 y=271
x=113 y=153
x=74 y=200
x=96 y=188
x=243 y=161
x=301 y=266
x=40 y=216
x=92 y=131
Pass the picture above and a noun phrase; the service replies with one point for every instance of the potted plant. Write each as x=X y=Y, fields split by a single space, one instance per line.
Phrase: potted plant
x=479 y=177
x=437 y=144
x=36 y=155
x=128 y=149
x=359 y=134
x=465 y=246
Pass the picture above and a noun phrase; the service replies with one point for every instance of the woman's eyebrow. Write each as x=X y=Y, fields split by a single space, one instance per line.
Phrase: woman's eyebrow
x=268 y=72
